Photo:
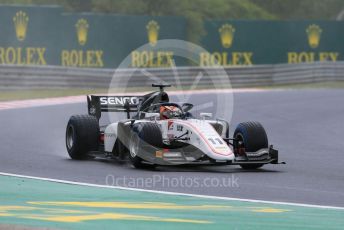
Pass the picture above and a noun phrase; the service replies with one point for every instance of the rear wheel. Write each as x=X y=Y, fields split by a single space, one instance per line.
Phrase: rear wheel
x=253 y=137
x=82 y=136
x=143 y=134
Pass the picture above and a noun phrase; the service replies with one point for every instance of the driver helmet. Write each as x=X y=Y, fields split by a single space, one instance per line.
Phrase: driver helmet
x=169 y=111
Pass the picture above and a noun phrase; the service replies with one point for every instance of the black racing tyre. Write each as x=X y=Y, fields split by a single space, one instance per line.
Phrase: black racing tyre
x=143 y=133
x=82 y=136
x=254 y=137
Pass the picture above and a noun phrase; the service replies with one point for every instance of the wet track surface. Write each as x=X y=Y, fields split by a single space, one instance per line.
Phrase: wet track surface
x=307 y=126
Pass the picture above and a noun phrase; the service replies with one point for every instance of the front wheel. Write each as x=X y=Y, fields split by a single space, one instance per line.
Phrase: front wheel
x=253 y=137
x=134 y=148
x=143 y=134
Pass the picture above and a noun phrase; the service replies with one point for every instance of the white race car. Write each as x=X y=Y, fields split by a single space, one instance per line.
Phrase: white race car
x=164 y=133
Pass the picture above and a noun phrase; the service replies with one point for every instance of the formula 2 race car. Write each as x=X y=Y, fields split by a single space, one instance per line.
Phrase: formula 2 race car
x=160 y=132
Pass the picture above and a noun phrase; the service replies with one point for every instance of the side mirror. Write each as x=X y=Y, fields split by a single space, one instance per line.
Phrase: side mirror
x=152 y=116
x=187 y=107
x=205 y=115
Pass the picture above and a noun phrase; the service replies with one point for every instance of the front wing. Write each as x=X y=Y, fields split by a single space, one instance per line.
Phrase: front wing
x=190 y=155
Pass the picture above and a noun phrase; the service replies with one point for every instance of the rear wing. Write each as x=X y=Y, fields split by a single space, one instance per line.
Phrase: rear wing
x=98 y=104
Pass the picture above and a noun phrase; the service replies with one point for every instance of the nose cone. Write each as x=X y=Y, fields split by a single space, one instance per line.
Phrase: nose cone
x=221 y=153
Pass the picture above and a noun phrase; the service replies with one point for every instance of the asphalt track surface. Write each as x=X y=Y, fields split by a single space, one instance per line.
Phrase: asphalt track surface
x=307 y=126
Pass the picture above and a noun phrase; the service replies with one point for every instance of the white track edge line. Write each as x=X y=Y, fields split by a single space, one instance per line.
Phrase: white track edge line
x=172 y=193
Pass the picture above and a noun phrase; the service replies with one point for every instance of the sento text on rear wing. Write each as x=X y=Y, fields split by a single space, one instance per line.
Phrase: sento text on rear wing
x=98 y=104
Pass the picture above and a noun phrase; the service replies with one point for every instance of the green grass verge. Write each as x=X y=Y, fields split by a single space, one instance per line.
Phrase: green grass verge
x=8 y=95
x=318 y=85
x=40 y=93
